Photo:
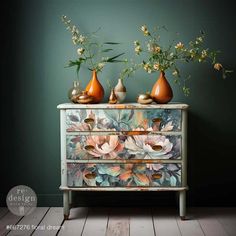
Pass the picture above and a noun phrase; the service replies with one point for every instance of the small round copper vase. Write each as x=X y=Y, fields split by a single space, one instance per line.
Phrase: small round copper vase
x=113 y=97
x=74 y=92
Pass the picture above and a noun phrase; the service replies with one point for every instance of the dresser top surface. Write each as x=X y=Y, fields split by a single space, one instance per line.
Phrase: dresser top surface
x=122 y=106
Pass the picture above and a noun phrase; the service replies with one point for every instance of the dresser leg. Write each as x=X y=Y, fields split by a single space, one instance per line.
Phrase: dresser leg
x=70 y=199
x=182 y=205
x=66 y=207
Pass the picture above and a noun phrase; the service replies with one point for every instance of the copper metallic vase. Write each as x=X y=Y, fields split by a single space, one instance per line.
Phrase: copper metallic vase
x=74 y=92
x=95 y=89
x=113 y=97
x=162 y=91
x=144 y=98
x=84 y=98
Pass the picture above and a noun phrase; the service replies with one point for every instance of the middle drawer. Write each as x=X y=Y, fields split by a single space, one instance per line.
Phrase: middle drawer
x=99 y=146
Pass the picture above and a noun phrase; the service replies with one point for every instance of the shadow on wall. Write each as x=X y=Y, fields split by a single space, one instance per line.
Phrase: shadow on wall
x=211 y=164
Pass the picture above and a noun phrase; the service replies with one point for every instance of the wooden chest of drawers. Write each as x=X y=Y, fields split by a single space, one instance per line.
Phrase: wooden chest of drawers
x=123 y=147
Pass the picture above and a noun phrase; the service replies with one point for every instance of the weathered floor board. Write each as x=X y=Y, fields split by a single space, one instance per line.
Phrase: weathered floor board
x=76 y=222
x=96 y=223
x=7 y=221
x=165 y=223
x=51 y=223
x=121 y=222
x=209 y=222
x=30 y=220
x=190 y=227
x=141 y=222
x=118 y=222
x=227 y=218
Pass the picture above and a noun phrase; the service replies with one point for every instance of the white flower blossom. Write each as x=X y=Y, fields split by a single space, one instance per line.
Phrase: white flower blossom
x=104 y=59
x=175 y=73
x=200 y=39
x=75 y=39
x=74 y=30
x=80 y=51
x=153 y=48
x=101 y=65
x=192 y=52
x=145 y=30
x=179 y=45
x=136 y=43
x=81 y=39
x=156 y=66
x=147 y=67
x=138 y=49
x=204 y=54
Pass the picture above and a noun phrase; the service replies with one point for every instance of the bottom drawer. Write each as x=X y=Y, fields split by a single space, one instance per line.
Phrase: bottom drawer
x=123 y=175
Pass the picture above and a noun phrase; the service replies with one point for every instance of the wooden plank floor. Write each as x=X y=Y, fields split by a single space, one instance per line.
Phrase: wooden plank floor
x=120 y=222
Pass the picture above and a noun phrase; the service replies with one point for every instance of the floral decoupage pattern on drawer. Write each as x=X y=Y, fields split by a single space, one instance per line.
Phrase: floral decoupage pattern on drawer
x=123 y=175
x=99 y=146
x=123 y=119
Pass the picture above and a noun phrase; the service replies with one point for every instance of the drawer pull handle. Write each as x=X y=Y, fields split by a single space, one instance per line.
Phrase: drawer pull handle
x=156 y=176
x=156 y=120
x=135 y=132
x=89 y=147
x=90 y=176
x=157 y=147
x=89 y=120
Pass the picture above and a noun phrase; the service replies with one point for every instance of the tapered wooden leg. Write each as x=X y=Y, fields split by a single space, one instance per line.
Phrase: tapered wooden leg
x=182 y=205
x=66 y=207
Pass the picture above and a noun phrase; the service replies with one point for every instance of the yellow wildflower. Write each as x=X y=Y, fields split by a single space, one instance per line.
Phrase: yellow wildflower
x=157 y=49
x=179 y=45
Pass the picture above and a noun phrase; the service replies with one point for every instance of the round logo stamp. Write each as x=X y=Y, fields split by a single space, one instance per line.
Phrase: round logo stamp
x=21 y=200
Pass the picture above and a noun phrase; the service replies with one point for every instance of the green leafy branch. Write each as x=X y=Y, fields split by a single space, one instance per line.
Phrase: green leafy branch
x=160 y=58
x=90 y=52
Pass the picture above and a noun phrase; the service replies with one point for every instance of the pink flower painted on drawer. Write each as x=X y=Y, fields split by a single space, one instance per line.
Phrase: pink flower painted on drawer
x=106 y=146
x=100 y=146
x=123 y=175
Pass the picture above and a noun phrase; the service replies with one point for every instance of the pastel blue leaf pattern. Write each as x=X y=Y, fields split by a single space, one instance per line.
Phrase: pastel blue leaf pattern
x=173 y=181
x=99 y=179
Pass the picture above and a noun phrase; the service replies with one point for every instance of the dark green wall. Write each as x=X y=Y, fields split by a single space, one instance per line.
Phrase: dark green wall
x=35 y=49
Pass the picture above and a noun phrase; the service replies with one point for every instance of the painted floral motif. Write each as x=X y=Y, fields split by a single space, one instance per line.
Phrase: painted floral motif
x=86 y=120
x=124 y=175
x=123 y=119
x=99 y=146
x=149 y=147
x=106 y=146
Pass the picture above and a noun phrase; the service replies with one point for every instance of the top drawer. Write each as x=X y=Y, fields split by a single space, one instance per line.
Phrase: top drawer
x=123 y=120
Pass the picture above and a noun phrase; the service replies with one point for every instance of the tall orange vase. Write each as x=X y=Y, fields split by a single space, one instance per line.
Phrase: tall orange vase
x=162 y=91
x=95 y=89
